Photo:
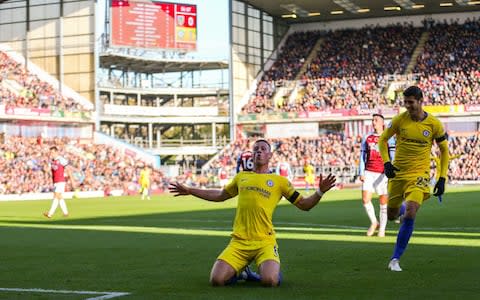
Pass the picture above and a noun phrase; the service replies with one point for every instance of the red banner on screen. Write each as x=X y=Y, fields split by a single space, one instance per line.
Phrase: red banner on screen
x=149 y=24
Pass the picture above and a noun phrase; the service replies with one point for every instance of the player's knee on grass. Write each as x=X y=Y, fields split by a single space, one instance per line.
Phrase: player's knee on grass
x=222 y=274
x=218 y=281
x=270 y=280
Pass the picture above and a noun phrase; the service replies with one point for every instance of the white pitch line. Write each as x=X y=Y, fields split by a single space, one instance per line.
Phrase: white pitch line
x=104 y=295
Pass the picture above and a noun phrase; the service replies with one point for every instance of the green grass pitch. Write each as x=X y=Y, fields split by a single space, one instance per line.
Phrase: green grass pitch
x=164 y=249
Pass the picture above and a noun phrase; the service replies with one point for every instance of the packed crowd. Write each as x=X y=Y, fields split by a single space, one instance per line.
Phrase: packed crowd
x=27 y=90
x=336 y=150
x=365 y=52
x=291 y=58
x=465 y=152
x=330 y=150
x=350 y=70
x=449 y=64
x=24 y=167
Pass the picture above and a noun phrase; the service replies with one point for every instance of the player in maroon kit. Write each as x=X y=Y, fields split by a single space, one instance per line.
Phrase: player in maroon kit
x=58 y=165
x=245 y=161
x=372 y=176
x=284 y=169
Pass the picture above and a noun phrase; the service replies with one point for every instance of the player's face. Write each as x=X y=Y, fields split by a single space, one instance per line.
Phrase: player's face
x=377 y=123
x=261 y=153
x=412 y=105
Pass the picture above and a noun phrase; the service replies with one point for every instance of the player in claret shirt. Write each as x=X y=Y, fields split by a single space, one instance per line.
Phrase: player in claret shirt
x=59 y=165
x=245 y=161
x=372 y=176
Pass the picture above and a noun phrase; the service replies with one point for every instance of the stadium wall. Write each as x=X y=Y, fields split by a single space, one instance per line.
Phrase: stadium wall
x=58 y=36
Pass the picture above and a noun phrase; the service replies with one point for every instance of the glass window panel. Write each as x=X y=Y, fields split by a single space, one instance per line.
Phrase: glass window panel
x=238 y=20
x=239 y=35
x=254 y=24
x=267 y=27
x=253 y=12
x=267 y=17
x=239 y=48
x=268 y=42
x=266 y=55
x=238 y=6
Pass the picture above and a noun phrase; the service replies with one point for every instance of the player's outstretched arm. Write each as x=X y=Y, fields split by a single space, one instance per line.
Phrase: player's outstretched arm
x=215 y=195
x=324 y=186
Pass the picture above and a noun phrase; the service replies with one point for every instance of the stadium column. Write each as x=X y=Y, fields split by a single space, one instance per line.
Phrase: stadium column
x=214 y=134
x=150 y=135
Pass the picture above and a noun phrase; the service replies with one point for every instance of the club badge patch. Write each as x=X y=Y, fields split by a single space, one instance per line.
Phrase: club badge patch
x=270 y=183
x=426 y=133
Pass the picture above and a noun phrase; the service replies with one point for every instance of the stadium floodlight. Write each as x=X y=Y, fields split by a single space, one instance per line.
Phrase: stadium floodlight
x=406 y=4
x=336 y=12
x=417 y=6
x=392 y=8
x=363 y=10
x=473 y=2
x=296 y=10
x=446 y=4
x=348 y=5
x=313 y=14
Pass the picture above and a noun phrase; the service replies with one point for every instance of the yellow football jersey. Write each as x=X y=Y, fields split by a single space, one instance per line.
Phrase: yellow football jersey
x=145 y=177
x=258 y=196
x=309 y=171
x=414 y=142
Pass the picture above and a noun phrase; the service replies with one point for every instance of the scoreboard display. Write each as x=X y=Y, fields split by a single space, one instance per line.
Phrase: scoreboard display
x=153 y=25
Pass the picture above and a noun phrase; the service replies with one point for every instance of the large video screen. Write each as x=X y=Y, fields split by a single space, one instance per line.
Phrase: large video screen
x=153 y=25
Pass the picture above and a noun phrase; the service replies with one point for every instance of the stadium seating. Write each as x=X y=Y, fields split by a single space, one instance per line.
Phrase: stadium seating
x=351 y=70
x=340 y=155
x=22 y=89
x=24 y=167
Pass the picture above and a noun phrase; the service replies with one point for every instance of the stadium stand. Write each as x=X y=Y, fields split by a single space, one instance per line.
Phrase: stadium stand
x=24 y=165
x=340 y=155
x=352 y=67
x=26 y=90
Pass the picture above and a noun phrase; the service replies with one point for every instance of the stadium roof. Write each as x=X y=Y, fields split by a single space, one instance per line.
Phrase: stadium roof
x=302 y=11
x=154 y=65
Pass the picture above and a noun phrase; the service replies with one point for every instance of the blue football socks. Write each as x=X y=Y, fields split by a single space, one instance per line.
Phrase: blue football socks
x=403 y=237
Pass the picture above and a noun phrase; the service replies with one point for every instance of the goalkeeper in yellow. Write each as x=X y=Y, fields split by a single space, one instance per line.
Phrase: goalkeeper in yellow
x=409 y=174
x=253 y=237
x=145 y=182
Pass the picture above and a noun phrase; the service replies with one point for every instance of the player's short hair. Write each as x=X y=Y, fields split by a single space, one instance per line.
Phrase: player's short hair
x=53 y=148
x=414 y=91
x=265 y=141
x=378 y=115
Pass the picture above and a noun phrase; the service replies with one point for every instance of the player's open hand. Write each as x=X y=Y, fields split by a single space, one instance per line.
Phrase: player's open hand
x=178 y=189
x=326 y=184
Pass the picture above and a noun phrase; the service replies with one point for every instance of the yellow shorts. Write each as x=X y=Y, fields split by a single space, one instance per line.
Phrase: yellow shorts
x=411 y=189
x=310 y=180
x=240 y=253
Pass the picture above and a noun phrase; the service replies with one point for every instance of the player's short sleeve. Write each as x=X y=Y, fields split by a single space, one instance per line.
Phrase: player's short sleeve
x=289 y=192
x=392 y=127
x=232 y=186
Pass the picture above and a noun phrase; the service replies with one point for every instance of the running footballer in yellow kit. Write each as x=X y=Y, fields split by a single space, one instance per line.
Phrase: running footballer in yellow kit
x=253 y=237
x=409 y=174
